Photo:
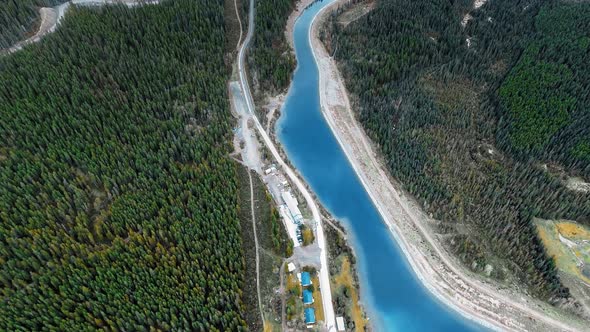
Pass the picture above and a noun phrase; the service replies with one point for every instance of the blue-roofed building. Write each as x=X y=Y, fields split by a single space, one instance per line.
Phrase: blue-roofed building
x=309 y=316
x=305 y=279
x=307 y=296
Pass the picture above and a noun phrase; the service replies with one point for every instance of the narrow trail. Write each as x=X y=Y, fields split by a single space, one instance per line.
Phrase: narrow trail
x=336 y=228
x=283 y=292
x=240 y=22
x=252 y=210
x=270 y=117
x=283 y=298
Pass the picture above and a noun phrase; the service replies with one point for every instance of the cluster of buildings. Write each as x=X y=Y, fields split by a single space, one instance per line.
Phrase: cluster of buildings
x=292 y=216
x=288 y=204
x=289 y=210
x=308 y=312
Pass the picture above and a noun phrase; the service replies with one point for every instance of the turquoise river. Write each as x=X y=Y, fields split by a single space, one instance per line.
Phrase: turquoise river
x=391 y=293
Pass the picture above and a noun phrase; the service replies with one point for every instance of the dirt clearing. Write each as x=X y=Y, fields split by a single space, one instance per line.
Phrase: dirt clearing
x=355 y=12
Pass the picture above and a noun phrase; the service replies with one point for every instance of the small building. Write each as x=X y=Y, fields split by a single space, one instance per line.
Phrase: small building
x=309 y=316
x=291 y=267
x=307 y=296
x=269 y=170
x=305 y=279
x=340 y=324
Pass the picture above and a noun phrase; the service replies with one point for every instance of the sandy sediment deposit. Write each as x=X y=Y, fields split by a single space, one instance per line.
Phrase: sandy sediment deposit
x=482 y=301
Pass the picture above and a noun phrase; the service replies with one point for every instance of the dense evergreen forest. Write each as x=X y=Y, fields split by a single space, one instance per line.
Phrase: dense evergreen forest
x=20 y=18
x=545 y=99
x=467 y=117
x=118 y=203
x=270 y=57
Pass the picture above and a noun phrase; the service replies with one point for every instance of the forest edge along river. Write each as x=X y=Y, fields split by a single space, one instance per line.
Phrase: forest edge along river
x=398 y=302
x=394 y=297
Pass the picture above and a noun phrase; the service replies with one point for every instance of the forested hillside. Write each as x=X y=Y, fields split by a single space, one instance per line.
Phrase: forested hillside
x=270 y=57
x=546 y=97
x=20 y=18
x=466 y=116
x=118 y=203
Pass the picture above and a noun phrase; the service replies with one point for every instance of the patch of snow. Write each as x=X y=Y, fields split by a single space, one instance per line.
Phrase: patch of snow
x=466 y=19
x=577 y=184
x=478 y=3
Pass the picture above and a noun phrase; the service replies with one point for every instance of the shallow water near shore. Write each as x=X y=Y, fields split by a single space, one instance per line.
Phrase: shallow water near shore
x=391 y=293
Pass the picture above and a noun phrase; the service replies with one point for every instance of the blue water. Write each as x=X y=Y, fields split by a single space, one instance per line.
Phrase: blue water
x=395 y=299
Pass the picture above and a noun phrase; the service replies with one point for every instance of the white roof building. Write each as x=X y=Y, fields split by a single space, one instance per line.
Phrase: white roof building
x=340 y=324
x=270 y=170
x=292 y=204
x=291 y=267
